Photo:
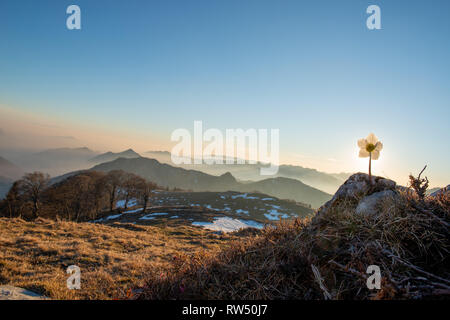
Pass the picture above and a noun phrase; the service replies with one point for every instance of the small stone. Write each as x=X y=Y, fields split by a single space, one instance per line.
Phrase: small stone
x=15 y=293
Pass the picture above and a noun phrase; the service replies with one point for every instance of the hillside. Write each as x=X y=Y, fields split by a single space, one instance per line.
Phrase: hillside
x=286 y=188
x=327 y=257
x=207 y=209
x=169 y=176
x=9 y=170
x=111 y=156
x=113 y=258
x=168 y=252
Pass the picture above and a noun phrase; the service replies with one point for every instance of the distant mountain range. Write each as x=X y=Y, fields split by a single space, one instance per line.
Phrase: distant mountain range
x=169 y=176
x=111 y=156
x=57 y=161
x=63 y=160
x=328 y=182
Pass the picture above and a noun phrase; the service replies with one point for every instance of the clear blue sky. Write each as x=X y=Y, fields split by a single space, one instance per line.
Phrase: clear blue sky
x=310 y=68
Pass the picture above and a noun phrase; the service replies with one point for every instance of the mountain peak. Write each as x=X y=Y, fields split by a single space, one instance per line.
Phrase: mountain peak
x=227 y=176
x=129 y=151
x=111 y=156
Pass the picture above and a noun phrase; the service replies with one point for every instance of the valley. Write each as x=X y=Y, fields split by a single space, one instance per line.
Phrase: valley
x=219 y=211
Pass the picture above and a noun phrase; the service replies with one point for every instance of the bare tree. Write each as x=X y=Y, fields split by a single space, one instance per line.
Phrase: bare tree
x=14 y=201
x=32 y=186
x=145 y=189
x=112 y=182
x=97 y=191
x=78 y=197
x=130 y=187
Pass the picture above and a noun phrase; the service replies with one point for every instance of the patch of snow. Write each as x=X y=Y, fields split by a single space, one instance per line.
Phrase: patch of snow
x=151 y=216
x=275 y=215
x=267 y=199
x=226 y=224
x=147 y=217
x=238 y=211
x=134 y=210
x=121 y=203
x=244 y=196
x=113 y=217
x=173 y=217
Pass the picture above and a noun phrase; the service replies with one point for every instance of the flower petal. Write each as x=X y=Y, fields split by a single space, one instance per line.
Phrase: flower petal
x=363 y=153
x=371 y=138
x=379 y=146
x=362 y=143
x=375 y=155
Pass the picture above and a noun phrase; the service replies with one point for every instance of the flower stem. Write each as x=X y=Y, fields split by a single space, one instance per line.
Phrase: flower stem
x=370 y=167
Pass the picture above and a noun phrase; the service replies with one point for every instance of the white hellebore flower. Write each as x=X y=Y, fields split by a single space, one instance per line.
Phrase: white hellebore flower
x=370 y=147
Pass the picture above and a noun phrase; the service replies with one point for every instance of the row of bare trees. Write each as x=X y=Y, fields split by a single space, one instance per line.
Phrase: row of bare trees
x=80 y=197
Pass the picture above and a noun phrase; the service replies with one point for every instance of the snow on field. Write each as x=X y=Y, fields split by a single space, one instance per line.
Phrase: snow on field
x=121 y=203
x=238 y=211
x=147 y=217
x=267 y=199
x=226 y=224
x=151 y=216
x=113 y=217
x=275 y=215
x=243 y=196
x=134 y=210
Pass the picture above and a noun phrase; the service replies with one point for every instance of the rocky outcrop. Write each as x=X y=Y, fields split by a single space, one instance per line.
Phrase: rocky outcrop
x=365 y=194
x=15 y=293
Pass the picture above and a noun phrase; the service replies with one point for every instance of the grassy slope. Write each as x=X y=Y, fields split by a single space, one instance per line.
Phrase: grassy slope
x=326 y=257
x=35 y=255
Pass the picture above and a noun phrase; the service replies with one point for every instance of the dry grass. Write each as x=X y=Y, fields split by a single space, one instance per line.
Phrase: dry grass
x=114 y=258
x=325 y=258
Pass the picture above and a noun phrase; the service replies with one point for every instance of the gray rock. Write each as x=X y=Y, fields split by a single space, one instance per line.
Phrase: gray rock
x=15 y=293
x=357 y=187
x=369 y=205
